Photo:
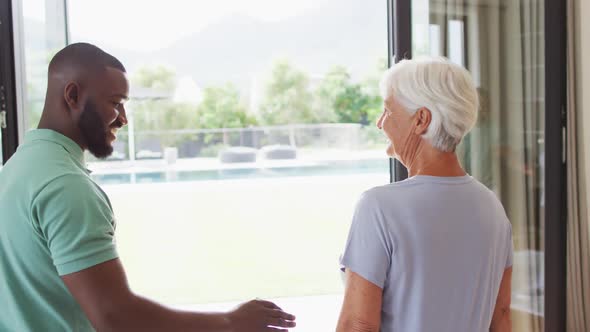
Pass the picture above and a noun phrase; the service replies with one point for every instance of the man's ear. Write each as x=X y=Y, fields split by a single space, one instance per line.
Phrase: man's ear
x=72 y=95
x=423 y=118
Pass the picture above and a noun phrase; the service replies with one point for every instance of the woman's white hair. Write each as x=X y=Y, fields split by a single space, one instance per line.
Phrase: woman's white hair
x=444 y=88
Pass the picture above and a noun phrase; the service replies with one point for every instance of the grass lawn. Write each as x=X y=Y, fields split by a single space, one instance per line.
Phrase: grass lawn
x=214 y=241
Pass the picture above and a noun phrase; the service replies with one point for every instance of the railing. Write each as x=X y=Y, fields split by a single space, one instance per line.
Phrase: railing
x=202 y=143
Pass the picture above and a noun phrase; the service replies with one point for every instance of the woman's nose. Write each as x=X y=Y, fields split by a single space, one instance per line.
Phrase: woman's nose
x=380 y=122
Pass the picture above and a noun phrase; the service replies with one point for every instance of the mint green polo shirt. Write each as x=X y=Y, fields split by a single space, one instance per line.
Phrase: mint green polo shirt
x=54 y=220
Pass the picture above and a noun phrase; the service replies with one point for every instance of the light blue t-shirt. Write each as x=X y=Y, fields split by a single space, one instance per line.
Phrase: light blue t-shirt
x=437 y=246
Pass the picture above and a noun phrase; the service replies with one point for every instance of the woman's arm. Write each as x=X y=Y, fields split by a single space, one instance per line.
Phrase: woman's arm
x=501 y=317
x=361 y=310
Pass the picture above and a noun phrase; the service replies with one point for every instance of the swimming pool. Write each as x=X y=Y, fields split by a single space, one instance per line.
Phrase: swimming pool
x=340 y=167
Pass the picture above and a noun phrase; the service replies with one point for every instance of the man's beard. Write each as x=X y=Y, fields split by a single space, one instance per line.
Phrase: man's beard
x=94 y=131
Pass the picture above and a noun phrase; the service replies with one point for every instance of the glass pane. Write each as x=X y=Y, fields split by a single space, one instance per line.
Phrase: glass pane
x=251 y=137
x=44 y=35
x=1 y=149
x=502 y=44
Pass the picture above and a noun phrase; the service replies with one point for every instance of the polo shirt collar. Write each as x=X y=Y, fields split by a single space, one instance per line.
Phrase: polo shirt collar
x=53 y=136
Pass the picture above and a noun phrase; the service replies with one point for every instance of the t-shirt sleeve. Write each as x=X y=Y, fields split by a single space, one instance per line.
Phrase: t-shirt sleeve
x=510 y=247
x=76 y=220
x=368 y=250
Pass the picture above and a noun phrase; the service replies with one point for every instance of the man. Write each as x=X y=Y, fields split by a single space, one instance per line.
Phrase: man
x=58 y=261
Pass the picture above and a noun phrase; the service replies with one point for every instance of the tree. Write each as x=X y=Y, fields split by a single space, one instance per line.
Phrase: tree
x=159 y=112
x=371 y=88
x=352 y=105
x=349 y=102
x=287 y=97
x=221 y=108
x=159 y=78
x=165 y=115
x=333 y=84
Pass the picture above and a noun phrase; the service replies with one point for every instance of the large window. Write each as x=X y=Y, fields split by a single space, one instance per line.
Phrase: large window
x=251 y=135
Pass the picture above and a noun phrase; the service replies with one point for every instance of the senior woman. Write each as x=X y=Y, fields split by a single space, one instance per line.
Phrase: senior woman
x=432 y=252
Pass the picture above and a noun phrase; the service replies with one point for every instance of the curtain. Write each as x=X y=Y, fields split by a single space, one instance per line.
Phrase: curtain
x=578 y=236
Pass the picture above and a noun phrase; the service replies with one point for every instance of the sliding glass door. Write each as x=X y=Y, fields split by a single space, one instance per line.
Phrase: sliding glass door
x=251 y=135
x=502 y=43
x=8 y=113
x=252 y=119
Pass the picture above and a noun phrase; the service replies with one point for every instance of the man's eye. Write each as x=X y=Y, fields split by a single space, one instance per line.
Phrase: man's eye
x=116 y=105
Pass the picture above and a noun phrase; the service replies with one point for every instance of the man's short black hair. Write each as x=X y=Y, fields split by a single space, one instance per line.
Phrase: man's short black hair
x=84 y=56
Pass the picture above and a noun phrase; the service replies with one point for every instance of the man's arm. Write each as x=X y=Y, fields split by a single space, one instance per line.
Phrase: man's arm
x=501 y=317
x=104 y=295
x=361 y=310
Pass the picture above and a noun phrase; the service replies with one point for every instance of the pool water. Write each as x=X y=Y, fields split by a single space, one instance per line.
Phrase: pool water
x=370 y=166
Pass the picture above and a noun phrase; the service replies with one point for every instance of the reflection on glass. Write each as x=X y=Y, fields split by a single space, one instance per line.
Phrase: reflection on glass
x=502 y=44
x=44 y=35
x=456 y=42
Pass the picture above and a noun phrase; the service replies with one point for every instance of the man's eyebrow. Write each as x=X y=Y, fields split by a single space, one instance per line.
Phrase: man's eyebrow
x=120 y=96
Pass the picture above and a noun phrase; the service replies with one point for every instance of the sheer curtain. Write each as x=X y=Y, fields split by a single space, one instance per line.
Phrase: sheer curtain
x=578 y=235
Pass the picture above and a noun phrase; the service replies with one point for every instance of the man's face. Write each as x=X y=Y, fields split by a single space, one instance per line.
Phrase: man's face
x=104 y=113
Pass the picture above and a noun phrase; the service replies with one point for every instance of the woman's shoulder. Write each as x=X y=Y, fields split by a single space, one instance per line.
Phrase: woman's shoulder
x=422 y=188
x=394 y=188
x=389 y=193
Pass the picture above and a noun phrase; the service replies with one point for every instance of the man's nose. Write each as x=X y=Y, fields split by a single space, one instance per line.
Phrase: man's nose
x=122 y=116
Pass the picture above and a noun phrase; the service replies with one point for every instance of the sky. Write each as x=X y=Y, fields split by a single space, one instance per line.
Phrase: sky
x=147 y=25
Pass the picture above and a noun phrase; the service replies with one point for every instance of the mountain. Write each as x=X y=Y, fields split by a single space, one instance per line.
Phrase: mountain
x=342 y=32
x=238 y=48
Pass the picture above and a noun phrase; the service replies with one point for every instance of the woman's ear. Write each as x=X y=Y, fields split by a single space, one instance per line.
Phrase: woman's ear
x=423 y=118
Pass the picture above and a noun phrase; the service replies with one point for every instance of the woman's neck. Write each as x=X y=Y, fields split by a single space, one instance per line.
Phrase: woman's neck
x=430 y=161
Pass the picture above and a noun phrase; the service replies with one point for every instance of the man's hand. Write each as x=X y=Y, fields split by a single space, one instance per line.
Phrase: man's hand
x=260 y=316
x=110 y=305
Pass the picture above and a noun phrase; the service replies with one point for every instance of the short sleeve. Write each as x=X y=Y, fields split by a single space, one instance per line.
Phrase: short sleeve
x=509 y=247
x=368 y=249
x=76 y=220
